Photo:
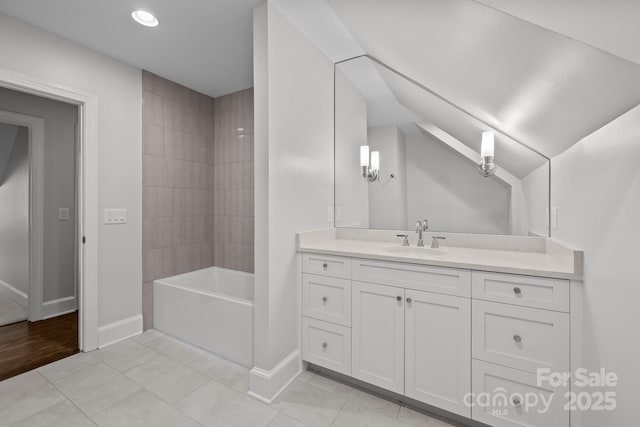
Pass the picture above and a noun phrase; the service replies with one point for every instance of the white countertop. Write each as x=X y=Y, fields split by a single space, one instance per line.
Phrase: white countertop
x=564 y=263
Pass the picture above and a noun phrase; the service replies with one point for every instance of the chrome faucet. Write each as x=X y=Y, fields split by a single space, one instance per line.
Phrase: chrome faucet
x=420 y=227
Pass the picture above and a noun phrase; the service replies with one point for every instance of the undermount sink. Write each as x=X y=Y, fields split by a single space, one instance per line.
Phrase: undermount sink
x=415 y=250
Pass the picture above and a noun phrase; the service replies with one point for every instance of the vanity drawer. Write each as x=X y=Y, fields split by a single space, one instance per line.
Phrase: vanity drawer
x=515 y=386
x=327 y=345
x=327 y=265
x=326 y=298
x=536 y=292
x=448 y=281
x=522 y=338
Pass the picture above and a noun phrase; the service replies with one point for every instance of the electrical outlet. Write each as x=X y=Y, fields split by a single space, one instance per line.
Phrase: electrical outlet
x=115 y=216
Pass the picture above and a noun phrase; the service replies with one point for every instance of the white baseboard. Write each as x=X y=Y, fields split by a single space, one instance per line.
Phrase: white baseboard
x=58 y=307
x=120 y=330
x=266 y=386
x=14 y=294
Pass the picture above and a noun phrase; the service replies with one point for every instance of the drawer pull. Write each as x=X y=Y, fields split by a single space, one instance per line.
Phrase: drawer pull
x=409 y=300
x=516 y=401
x=517 y=338
x=517 y=290
x=399 y=298
x=325 y=266
x=325 y=299
x=324 y=345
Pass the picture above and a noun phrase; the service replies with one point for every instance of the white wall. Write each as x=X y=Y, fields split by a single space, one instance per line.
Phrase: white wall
x=28 y=50
x=596 y=187
x=352 y=192
x=60 y=121
x=446 y=189
x=535 y=191
x=14 y=219
x=294 y=173
x=388 y=196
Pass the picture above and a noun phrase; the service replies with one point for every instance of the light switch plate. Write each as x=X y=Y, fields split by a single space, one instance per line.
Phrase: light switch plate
x=115 y=216
x=63 y=214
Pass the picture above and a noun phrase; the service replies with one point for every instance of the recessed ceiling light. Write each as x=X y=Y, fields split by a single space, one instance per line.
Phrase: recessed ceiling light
x=145 y=18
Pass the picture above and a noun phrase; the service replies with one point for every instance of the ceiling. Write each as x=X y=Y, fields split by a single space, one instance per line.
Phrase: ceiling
x=610 y=25
x=535 y=85
x=538 y=71
x=203 y=44
x=394 y=100
x=383 y=108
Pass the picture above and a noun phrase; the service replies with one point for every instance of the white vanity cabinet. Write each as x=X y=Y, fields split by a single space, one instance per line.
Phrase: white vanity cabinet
x=410 y=326
x=377 y=335
x=437 y=351
x=429 y=333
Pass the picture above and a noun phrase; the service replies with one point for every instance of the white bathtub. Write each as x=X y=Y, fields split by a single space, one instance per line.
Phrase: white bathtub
x=211 y=309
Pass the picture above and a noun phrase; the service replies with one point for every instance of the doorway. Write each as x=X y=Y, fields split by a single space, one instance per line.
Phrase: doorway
x=38 y=231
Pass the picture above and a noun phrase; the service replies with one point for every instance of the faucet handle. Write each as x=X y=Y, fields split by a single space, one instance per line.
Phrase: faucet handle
x=425 y=225
x=405 y=242
x=434 y=241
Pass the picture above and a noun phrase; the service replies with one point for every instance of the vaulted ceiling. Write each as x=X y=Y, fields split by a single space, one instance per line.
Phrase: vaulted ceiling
x=535 y=85
x=547 y=73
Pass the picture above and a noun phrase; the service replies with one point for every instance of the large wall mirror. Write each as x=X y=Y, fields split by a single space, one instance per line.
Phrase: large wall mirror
x=403 y=153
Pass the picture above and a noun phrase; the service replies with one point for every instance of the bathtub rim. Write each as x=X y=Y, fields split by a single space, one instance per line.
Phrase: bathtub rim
x=243 y=301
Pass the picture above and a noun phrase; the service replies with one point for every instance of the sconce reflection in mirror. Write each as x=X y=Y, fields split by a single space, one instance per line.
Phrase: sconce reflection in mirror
x=487 y=166
x=370 y=165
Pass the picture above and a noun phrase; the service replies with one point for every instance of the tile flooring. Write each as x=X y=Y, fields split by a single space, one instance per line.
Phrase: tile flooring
x=154 y=380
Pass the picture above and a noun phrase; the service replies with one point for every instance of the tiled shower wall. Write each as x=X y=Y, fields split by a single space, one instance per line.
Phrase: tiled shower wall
x=233 y=181
x=196 y=178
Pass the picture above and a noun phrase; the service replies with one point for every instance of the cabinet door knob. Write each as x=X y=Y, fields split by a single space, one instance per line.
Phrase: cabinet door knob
x=324 y=299
x=399 y=298
x=516 y=401
x=409 y=300
x=325 y=266
x=517 y=338
x=324 y=345
x=517 y=290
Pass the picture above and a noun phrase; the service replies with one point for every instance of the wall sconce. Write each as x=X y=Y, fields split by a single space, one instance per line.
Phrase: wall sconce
x=370 y=167
x=487 y=166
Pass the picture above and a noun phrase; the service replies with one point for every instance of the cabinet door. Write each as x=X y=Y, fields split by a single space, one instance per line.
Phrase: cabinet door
x=438 y=350
x=378 y=335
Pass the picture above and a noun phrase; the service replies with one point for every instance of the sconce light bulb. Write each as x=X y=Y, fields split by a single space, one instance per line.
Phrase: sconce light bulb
x=375 y=160
x=364 y=156
x=487 y=149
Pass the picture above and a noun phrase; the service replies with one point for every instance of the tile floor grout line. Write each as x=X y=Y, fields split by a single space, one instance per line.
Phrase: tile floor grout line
x=201 y=353
x=67 y=397
x=338 y=413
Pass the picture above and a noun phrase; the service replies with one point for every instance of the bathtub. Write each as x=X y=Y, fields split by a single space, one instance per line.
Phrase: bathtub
x=210 y=308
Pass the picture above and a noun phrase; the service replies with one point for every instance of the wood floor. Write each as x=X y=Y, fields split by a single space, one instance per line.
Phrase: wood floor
x=25 y=346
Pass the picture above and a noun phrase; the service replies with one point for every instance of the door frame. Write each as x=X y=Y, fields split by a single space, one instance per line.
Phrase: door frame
x=87 y=202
